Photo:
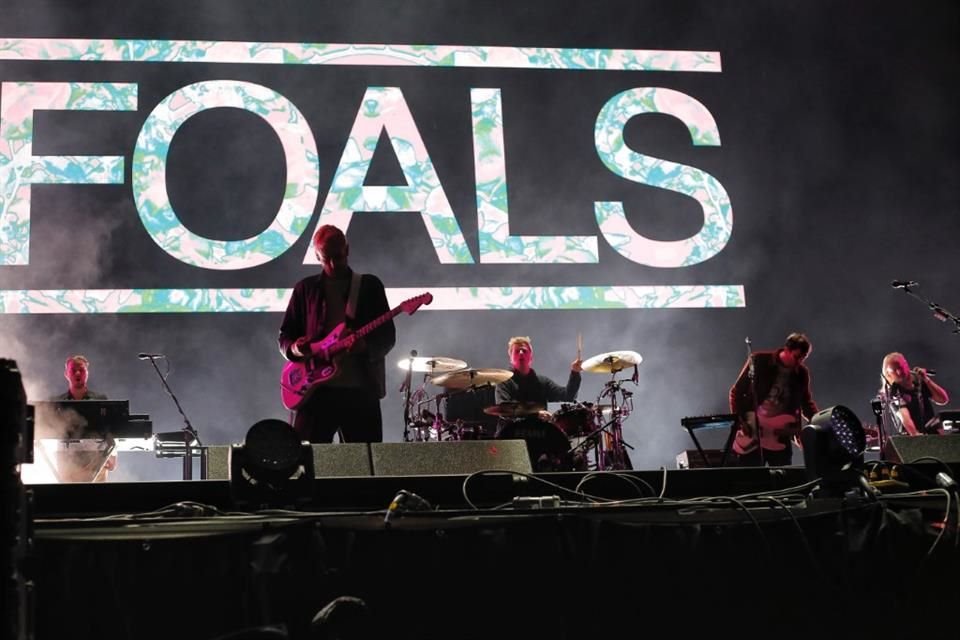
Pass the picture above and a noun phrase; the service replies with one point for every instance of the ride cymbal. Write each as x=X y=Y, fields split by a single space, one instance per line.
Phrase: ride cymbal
x=432 y=364
x=466 y=378
x=611 y=362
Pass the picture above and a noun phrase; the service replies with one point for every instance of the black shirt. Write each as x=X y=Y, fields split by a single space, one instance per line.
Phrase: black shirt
x=537 y=389
x=918 y=403
x=89 y=395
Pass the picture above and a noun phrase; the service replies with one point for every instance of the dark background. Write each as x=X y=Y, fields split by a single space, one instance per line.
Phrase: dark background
x=839 y=154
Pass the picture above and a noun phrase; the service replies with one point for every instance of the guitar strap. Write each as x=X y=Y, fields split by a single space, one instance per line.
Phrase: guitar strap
x=351 y=310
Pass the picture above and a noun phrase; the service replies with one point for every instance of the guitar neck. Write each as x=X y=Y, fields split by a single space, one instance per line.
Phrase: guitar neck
x=377 y=322
x=335 y=343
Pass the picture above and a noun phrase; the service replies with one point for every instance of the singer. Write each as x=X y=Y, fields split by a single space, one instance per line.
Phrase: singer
x=907 y=397
x=79 y=465
x=770 y=394
x=350 y=402
x=77 y=372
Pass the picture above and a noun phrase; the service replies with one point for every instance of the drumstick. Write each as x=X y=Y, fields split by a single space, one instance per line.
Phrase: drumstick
x=579 y=344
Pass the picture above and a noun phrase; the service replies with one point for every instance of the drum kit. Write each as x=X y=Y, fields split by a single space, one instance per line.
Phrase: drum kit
x=580 y=436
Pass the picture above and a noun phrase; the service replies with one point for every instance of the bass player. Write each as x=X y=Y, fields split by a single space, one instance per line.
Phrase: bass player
x=348 y=402
x=770 y=395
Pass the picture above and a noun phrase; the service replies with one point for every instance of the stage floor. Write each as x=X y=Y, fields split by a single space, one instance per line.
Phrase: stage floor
x=494 y=554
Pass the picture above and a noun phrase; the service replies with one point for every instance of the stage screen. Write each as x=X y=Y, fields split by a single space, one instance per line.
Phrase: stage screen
x=681 y=180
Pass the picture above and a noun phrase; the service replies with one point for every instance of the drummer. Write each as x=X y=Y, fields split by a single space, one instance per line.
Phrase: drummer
x=529 y=387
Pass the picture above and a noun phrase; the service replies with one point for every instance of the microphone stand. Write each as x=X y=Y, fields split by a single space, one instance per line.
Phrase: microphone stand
x=880 y=407
x=939 y=312
x=406 y=400
x=189 y=433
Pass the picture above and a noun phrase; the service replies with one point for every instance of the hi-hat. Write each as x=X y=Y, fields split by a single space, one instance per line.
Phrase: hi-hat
x=466 y=378
x=432 y=364
x=611 y=362
x=513 y=409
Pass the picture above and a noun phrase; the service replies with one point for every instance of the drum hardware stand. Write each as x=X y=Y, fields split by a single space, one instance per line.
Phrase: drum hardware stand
x=593 y=441
x=415 y=427
x=438 y=422
x=620 y=403
x=190 y=435
x=424 y=432
x=405 y=387
x=413 y=424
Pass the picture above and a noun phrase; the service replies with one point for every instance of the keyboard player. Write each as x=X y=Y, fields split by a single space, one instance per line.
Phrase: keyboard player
x=79 y=459
x=77 y=372
x=77 y=433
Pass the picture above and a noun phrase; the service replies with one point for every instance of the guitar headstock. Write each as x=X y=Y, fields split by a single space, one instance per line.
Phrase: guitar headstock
x=411 y=305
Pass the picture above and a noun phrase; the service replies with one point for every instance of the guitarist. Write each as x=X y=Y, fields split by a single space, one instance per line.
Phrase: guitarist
x=350 y=401
x=773 y=388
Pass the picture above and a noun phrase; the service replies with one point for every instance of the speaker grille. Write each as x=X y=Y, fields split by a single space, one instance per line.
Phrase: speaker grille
x=906 y=449
x=342 y=460
x=449 y=458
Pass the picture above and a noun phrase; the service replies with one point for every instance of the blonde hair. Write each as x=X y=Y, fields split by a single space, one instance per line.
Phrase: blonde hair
x=77 y=358
x=892 y=356
x=518 y=340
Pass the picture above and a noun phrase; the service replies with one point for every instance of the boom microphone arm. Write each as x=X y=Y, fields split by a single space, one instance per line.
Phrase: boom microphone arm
x=939 y=312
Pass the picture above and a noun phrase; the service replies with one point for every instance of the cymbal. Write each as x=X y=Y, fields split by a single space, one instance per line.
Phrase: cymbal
x=612 y=361
x=513 y=409
x=432 y=364
x=466 y=378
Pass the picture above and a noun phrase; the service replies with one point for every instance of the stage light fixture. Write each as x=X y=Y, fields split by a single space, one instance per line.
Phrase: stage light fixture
x=272 y=467
x=16 y=532
x=833 y=445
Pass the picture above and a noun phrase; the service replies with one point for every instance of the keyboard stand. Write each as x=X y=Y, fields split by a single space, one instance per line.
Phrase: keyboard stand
x=691 y=424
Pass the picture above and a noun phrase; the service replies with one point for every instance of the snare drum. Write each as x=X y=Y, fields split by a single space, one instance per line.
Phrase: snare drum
x=547 y=445
x=575 y=420
x=464 y=430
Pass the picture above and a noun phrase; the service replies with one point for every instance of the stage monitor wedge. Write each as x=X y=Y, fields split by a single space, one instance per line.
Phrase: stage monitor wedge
x=341 y=460
x=449 y=458
x=906 y=449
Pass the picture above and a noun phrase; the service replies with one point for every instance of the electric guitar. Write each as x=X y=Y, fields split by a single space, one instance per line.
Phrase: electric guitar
x=772 y=436
x=299 y=379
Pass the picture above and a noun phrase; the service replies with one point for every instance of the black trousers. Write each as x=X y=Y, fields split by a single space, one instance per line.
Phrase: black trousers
x=782 y=458
x=355 y=413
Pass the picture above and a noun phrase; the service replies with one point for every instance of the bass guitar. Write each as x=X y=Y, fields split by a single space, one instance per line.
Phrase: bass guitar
x=299 y=379
x=772 y=433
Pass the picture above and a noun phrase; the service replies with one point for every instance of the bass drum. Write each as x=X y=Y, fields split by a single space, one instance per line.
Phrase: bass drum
x=547 y=445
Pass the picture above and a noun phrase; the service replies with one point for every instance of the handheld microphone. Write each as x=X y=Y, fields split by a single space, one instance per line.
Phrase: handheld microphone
x=930 y=372
x=903 y=284
x=150 y=356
